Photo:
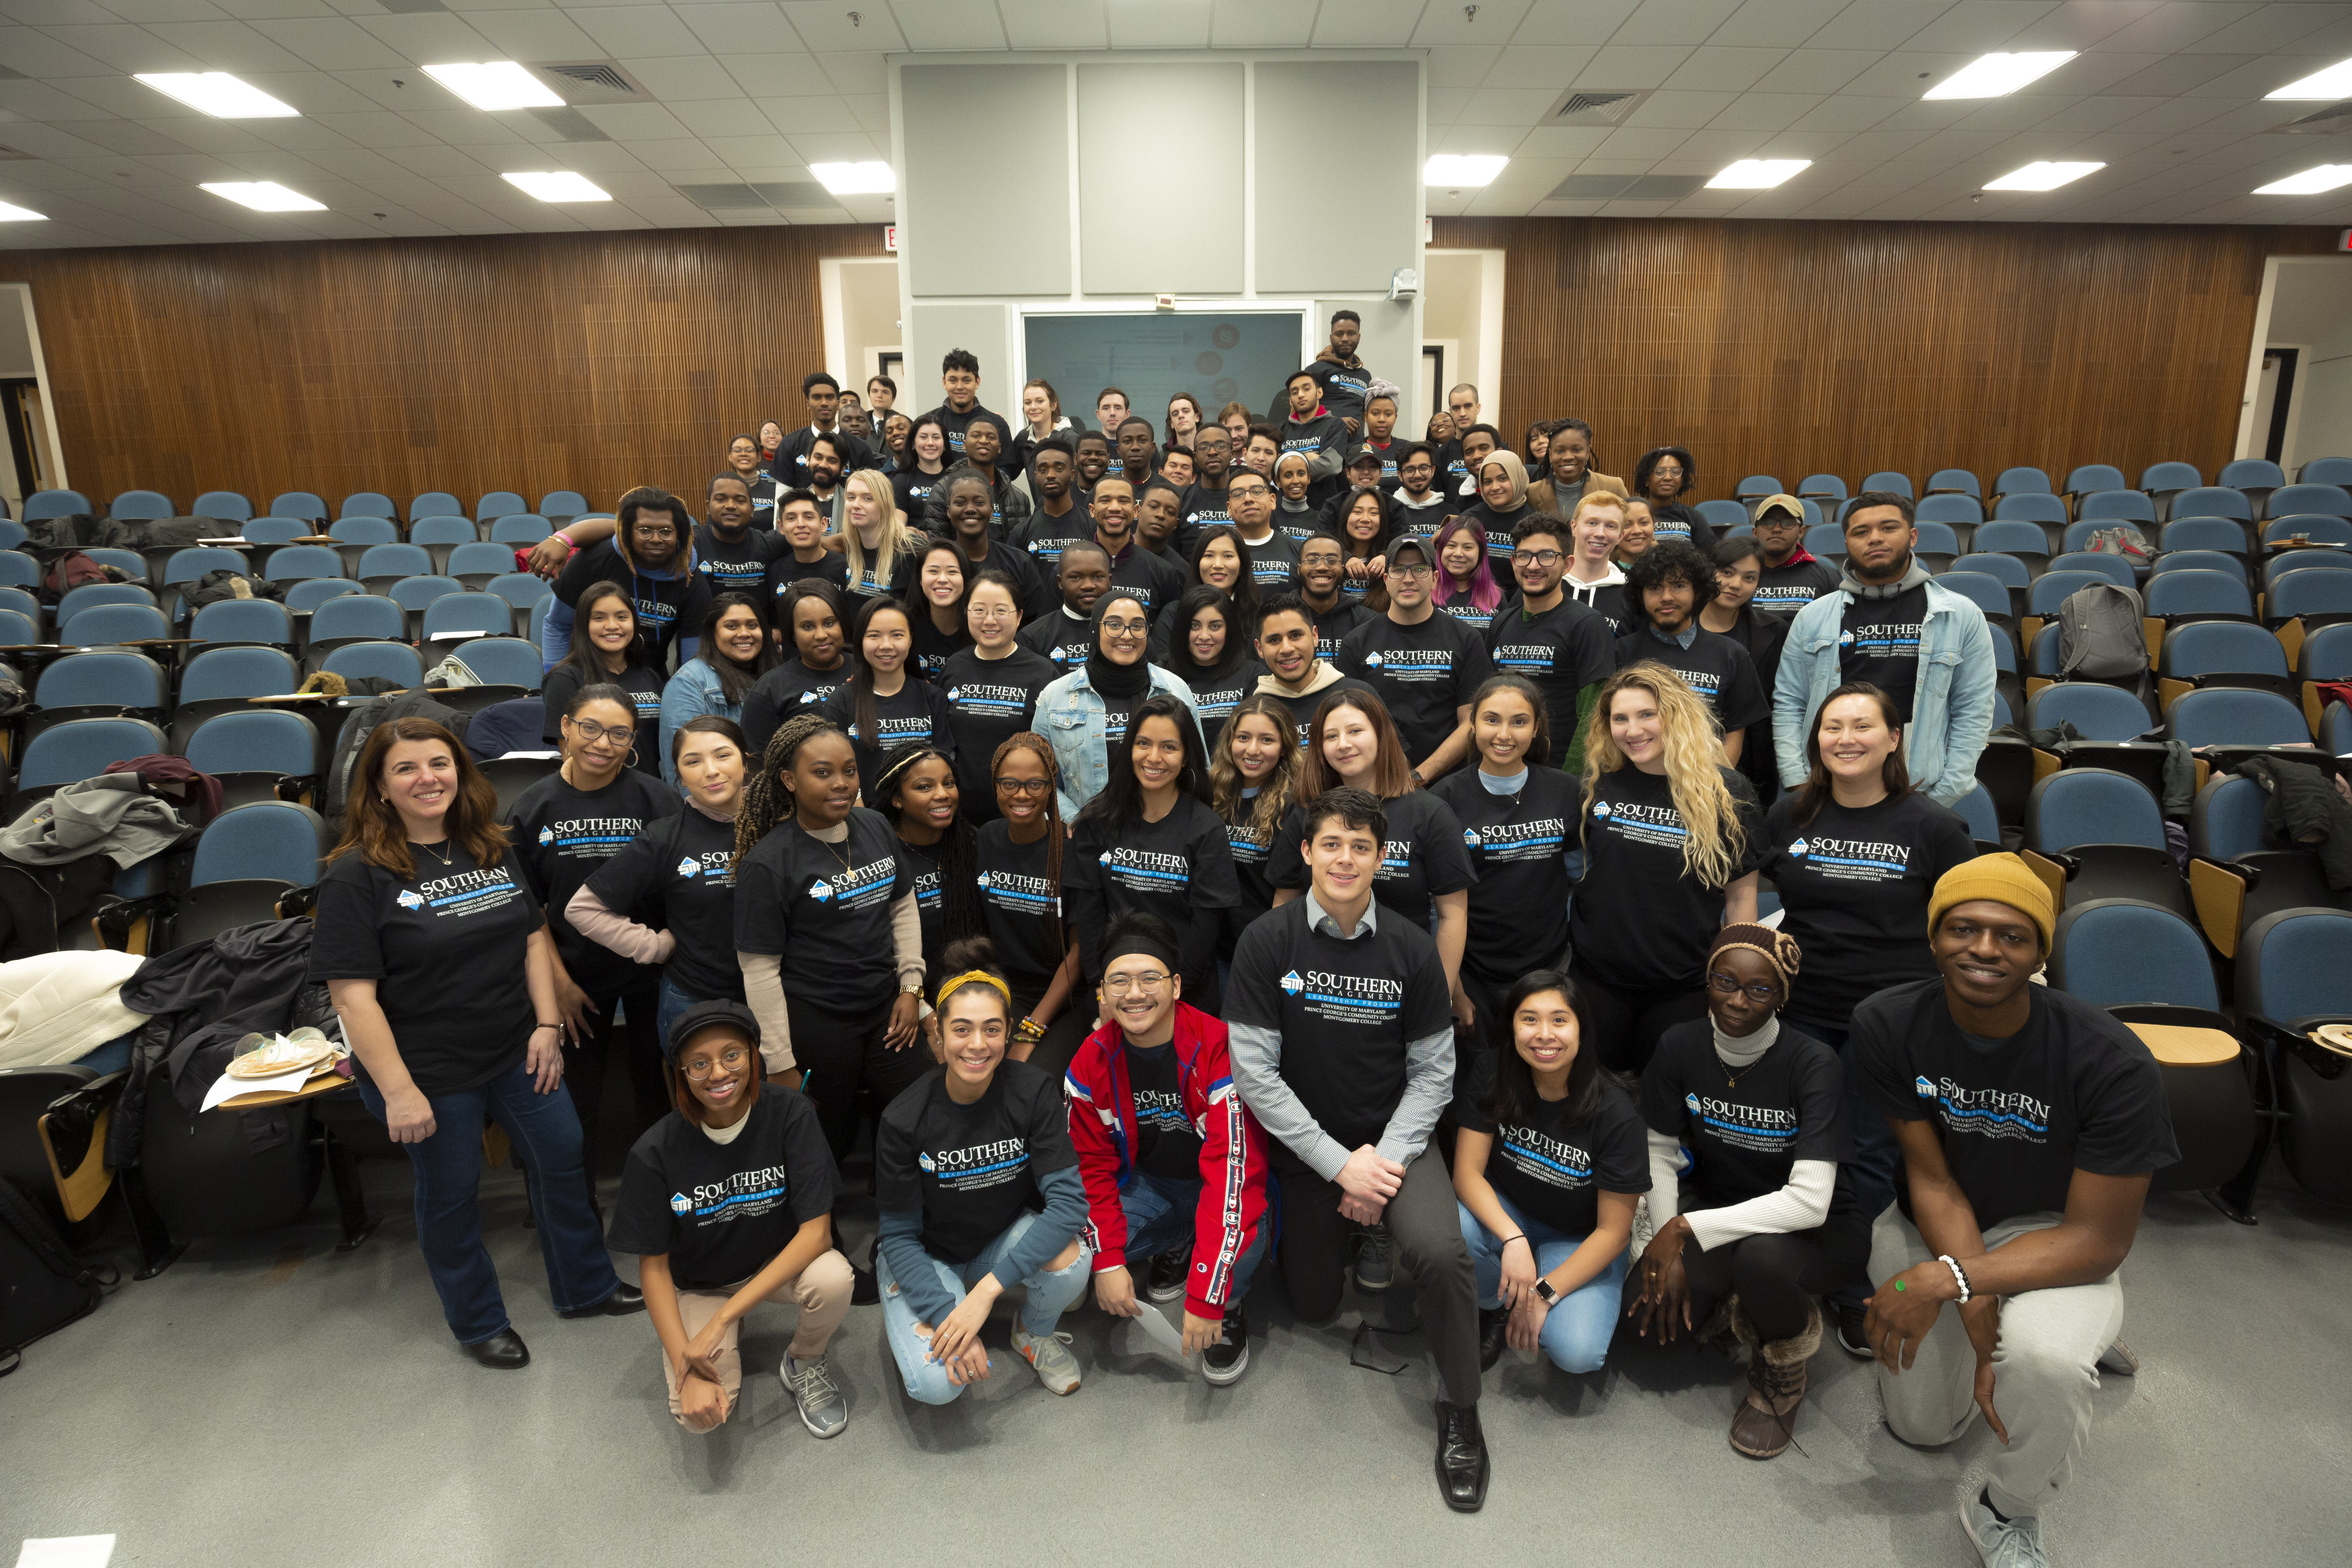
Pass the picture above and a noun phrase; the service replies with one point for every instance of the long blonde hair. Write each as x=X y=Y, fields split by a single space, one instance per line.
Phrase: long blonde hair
x=1713 y=838
x=895 y=535
x=1281 y=787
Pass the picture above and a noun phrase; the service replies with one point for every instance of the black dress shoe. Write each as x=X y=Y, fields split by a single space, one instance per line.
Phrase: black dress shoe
x=1494 y=1324
x=1461 y=1467
x=503 y=1352
x=619 y=1304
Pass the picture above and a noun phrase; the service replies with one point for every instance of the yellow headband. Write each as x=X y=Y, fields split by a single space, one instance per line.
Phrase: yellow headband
x=949 y=986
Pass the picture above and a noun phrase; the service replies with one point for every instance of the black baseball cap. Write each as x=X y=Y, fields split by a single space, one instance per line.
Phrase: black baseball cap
x=708 y=1015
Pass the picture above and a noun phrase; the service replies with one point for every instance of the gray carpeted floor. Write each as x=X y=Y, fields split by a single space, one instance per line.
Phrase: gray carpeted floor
x=270 y=1403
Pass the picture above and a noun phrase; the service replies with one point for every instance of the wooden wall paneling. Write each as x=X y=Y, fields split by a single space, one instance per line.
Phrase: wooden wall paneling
x=590 y=362
x=1796 y=348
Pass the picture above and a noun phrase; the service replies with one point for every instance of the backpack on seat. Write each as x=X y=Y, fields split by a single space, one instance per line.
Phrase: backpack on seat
x=2121 y=539
x=2099 y=634
x=362 y=723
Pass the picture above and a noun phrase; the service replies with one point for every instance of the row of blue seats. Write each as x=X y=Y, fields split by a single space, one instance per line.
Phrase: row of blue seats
x=134 y=506
x=2254 y=474
x=2100 y=507
x=413 y=609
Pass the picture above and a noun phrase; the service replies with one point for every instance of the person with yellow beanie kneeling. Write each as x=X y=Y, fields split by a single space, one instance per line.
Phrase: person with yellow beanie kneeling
x=2030 y=1124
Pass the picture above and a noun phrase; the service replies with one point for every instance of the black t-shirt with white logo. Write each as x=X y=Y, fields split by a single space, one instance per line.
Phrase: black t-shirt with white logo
x=1344 y=386
x=562 y=836
x=990 y=700
x=1217 y=692
x=914 y=715
x=1345 y=1010
x=970 y=1169
x=722 y=1212
x=644 y=688
x=789 y=688
x=932 y=648
x=1043 y=536
x=1676 y=520
x=825 y=908
x=446 y=947
x=1745 y=1128
x=1424 y=672
x=1563 y=650
x=1156 y=580
x=1422 y=858
x=1171 y=868
x=1167 y=1144
x=2072 y=1090
x=668 y=608
x=1713 y=667
x=1273 y=563
x=1641 y=921
x=1879 y=641
x=1853 y=884
x=1554 y=1170
x=1253 y=853
x=678 y=875
x=1790 y=588
x=1024 y=906
x=923 y=862
x=1518 y=846
x=1060 y=637
x=1335 y=626
x=1202 y=508
x=786 y=569
x=742 y=567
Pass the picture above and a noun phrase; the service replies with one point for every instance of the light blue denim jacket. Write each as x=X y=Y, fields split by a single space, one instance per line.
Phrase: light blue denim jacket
x=1951 y=709
x=1070 y=715
x=693 y=691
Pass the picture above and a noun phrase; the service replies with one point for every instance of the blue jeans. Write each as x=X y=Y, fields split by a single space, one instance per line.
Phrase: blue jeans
x=1162 y=1217
x=545 y=1130
x=1871 y=1167
x=1050 y=1294
x=1577 y=1330
x=673 y=1003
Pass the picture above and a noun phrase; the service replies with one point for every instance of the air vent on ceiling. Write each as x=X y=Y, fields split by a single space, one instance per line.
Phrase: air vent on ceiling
x=732 y=198
x=1625 y=187
x=1595 y=106
x=2326 y=121
x=569 y=124
x=595 y=81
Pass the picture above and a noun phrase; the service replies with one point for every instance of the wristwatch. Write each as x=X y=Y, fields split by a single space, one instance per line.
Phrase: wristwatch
x=1543 y=1288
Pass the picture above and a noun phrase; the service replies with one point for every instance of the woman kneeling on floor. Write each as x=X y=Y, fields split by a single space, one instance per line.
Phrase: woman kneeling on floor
x=1744 y=1233
x=964 y=1160
x=728 y=1201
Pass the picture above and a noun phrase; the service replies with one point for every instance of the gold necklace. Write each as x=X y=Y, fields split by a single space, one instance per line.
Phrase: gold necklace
x=829 y=849
x=443 y=856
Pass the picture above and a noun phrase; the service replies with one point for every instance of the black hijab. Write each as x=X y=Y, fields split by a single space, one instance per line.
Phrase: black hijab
x=1121 y=681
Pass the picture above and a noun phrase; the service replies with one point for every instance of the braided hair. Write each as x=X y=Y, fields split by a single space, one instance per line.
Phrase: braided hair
x=957 y=849
x=767 y=800
x=1043 y=750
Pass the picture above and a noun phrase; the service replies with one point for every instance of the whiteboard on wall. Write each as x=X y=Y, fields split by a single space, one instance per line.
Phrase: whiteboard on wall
x=1219 y=357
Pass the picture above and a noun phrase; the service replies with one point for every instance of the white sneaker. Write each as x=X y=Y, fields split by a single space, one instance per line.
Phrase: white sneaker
x=2003 y=1544
x=824 y=1411
x=1050 y=1355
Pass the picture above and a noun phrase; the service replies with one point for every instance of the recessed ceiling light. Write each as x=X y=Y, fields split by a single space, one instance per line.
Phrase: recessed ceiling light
x=266 y=196
x=219 y=94
x=2311 y=182
x=1995 y=76
x=496 y=84
x=563 y=185
x=2043 y=176
x=1463 y=169
x=872 y=178
x=1758 y=174
x=2333 y=83
x=21 y=215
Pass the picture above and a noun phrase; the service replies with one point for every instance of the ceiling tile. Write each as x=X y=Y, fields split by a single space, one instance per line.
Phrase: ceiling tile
x=1160 y=23
x=1539 y=64
x=651 y=30
x=872 y=114
x=1764 y=111
x=58 y=13
x=1816 y=70
x=334 y=44
x=1774 y=24
x=680 y=158
x=1379 y=24
x=2268 y=28
x=948 y=25
x=1975 y=27
x=229 y=47
x=1445 y=22
x=40 y=100
x=1563 y=142
x=1878 y=24
x=742 y=30
x=126 y=49
x=852 y=72
x=30 y=52
x=1462 y=65
x=1445 y=105
x=1583 y=24
x=1631 y=67
x=1493 y=107
x=793 y=115
x=824 y=24
x=1673 y=22
x=650 y=121
x=723 y=117
x=1054 y=24
x=1712 y=69
x=427 y=40
x=1262 y=23
x=542 y=33
x=1684 y=111
x=842 y=147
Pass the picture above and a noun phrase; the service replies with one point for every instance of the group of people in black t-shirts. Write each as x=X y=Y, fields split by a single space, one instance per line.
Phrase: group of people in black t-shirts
x=1272 y=841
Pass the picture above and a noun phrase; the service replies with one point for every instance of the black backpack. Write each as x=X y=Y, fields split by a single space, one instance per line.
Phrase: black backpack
x=43 y=1286
x=362 y=723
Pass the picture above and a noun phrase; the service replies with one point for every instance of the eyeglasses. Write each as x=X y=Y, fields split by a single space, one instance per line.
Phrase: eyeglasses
x=1760 y=993
x=651 y=531
x=732 y=1058
x=1537 y=557
x=1423 y=570
x=1126 y=627
x=1232 y=491
x=1148 y=984
x=1024 y=786
x=590 y=730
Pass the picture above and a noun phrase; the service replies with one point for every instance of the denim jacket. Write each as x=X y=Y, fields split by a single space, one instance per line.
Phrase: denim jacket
x=692 y=692
x=1070 y=715
x=1951 y=710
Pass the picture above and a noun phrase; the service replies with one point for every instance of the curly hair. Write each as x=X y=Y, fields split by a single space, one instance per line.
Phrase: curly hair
x=1261 y=817
x=1714 y=839
x=767 y=800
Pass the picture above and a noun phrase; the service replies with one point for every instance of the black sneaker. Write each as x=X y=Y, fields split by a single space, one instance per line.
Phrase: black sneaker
x=1164 y=1276
x=1849 y=1317
x=1225 y=1361
x=864 y=1289
x=1493 y=1323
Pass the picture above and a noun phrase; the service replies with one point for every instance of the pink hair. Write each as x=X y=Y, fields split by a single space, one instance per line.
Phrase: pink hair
x=1486 y=593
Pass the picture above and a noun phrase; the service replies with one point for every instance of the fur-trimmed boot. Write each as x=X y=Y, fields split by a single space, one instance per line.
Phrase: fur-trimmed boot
x=1765 y=1423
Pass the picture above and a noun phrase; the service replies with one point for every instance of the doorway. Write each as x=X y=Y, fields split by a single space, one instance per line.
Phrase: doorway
x=35 y=456
x=863 y=336
x=1462 y=317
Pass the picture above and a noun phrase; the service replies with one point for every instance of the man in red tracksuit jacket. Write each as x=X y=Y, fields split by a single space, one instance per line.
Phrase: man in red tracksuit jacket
x=1169 y=1156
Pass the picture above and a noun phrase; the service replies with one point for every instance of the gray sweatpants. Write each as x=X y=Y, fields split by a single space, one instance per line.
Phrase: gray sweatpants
x=2045 y=1368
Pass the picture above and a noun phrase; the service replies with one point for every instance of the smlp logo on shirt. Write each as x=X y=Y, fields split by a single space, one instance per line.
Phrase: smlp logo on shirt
x=680 y=1203
x=408 y=900
x=1797 y=850
x=1470 y=837
x=546 y=836
x=690 y=867
x=1292 y=983
x=1599 y=810
x=1691 y=1101
x=926 y=1161
x=1926 y=1090
x=821 y=890
x=1373 y=660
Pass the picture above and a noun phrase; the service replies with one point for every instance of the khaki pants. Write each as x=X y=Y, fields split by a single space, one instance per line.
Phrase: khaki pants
x=821 y=1292
x=2045 y=1369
